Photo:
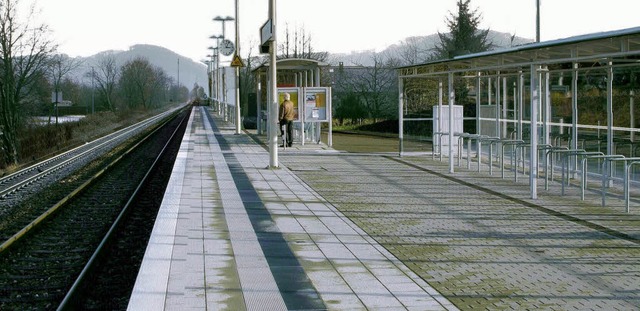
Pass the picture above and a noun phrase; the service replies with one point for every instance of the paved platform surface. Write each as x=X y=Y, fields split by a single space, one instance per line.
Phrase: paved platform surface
x=341 y=231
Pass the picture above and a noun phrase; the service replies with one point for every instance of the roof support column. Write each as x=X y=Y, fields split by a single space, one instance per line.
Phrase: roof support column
x=574 y=109
x=498 y=105
x=515 y=108
x=400 y=116
x=546 y=104
x=478 y=100
x=610 y=107
x=505 y=90
x=533 y=157
x=439 y=125
x=632 y=117
x=520 y=103
x=574 y=106
x=452 y=95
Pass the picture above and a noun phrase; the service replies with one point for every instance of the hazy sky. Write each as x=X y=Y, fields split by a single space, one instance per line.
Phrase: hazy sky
x=85 y=27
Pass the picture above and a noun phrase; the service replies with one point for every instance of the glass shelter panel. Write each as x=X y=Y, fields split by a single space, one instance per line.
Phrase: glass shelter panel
x=420 y=96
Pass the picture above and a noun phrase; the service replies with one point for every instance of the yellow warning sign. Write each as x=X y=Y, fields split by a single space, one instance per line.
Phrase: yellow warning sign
x=237 y=61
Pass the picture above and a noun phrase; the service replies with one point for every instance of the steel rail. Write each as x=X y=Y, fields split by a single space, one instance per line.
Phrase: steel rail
x=98 y=144
x=69 y=297
x=22 y=232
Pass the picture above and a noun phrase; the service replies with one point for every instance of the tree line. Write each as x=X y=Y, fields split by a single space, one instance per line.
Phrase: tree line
x=371 y=91
x=32 y=73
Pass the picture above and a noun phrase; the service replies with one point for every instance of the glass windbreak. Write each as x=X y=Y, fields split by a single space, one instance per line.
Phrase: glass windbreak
x=420 y=95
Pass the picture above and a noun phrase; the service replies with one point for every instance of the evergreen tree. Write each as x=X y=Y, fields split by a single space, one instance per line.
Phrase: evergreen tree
x=464 y=36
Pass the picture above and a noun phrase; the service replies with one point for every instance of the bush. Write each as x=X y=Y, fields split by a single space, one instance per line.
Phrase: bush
x=367 y=125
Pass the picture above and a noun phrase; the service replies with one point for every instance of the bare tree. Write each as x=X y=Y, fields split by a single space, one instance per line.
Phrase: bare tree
x=59 y=66
x=414 y=51
x=299 y=45
x=105 y=75
x=136 y=81
x=142 y=84
x=24 y=51
x=376 y=85
x=247 y=79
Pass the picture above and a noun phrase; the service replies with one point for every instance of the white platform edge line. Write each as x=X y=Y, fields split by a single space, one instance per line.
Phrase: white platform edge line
x=258 y=284
x=150 y=289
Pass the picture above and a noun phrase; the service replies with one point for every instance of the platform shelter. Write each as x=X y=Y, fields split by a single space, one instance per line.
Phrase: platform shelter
x=301 y=78
x=577 y=94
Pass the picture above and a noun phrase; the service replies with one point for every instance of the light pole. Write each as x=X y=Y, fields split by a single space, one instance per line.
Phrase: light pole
x=238 y=127
x=537 y=20
x=209 y=63
x=216 y=65
x=223 y=20
x=273 y=97
x=214 y=76
x=93 y=77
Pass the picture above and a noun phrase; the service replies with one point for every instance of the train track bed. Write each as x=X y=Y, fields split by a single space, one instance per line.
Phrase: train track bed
x=38 y=270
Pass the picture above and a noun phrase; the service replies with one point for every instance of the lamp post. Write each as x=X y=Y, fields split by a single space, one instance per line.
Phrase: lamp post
x=214 y=75
x=223 y=20
x=209 y=63
x=93 y=77
x=216 y=65
x=238 y=127
x=221 y=94
x=273 y=96
x=537 y=20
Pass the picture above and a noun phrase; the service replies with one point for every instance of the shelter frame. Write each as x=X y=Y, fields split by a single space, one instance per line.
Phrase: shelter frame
x=517 y=84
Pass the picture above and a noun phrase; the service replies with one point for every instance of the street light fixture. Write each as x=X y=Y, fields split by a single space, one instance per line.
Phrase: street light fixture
x=213 y=76
x=237 y=55
x=217 y=78
x=209 y=62
x=223 y=20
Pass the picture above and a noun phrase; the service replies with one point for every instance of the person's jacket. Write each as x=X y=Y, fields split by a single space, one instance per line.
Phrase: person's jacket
x=286 y=111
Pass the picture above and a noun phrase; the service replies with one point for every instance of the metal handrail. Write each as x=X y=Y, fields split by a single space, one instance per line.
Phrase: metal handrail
x=492 y=140
x=504 y=143
x=583 y=183
x=628 y=163
x=548 y=158
x=433 y=145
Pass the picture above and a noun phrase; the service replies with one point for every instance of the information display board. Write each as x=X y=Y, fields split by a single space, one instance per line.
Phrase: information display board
x=316 y=104
x=312 y=106
x=295 y=94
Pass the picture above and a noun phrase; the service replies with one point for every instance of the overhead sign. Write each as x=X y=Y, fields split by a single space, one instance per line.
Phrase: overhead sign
x=237 y=61
x=266 y=32
x=226 y=47
x=266 y=36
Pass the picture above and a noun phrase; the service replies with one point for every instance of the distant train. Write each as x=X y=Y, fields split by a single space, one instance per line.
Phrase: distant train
x=199 y=102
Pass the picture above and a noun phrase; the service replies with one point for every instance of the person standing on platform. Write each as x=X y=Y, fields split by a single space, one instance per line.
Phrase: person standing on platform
x=286 y=118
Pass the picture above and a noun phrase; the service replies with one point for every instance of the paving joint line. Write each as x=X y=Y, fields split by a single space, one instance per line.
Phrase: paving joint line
x=574 y=219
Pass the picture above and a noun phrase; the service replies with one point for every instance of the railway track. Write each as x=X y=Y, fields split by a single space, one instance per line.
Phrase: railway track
x=19 y=185
x=90 y=226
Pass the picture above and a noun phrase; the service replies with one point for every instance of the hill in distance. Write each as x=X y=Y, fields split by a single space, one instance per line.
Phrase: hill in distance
x=425 y=44
x=190 y=72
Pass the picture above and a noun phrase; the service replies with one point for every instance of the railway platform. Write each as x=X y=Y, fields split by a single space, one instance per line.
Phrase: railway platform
x=339 y=231
x=232 y=234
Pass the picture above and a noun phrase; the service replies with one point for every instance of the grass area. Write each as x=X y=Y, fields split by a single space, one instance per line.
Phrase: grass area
x=41 y=142
x=365 y=136
x=362 y=143
x=369 y=126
